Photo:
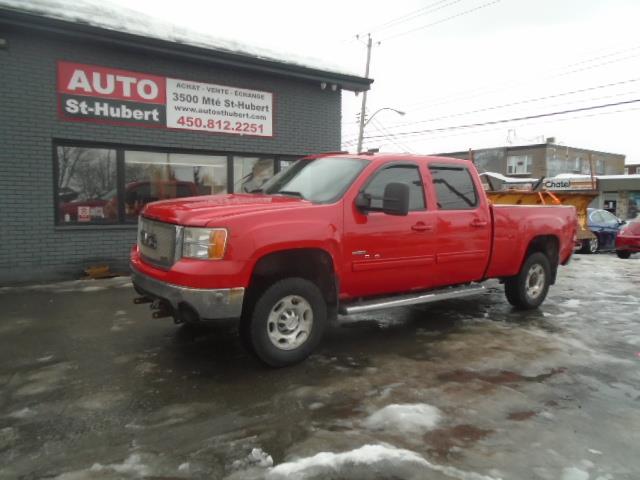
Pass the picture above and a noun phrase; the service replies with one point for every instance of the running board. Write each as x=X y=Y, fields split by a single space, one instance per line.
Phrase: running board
x=411 y=299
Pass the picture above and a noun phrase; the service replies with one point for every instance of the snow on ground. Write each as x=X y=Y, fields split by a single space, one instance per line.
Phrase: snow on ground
x=463 y=390
x=367 y=462
x=69 y=286
x=412 y=418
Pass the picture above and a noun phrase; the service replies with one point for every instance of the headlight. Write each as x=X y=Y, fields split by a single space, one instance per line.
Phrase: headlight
x=204 y=243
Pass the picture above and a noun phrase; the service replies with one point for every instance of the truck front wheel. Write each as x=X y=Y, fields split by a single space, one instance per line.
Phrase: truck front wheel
x=287 y=322
x=528 y=289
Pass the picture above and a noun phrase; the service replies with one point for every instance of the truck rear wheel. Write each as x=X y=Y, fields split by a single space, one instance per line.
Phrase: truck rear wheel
x=528 y=289
x=287 y=322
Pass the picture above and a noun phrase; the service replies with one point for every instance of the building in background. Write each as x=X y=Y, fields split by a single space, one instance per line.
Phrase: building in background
x=564 y=168
x=632 y=168
x=104 y=110
x=543 y=160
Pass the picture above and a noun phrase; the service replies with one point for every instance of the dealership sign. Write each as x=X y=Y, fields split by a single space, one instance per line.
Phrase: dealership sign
x=92 y=93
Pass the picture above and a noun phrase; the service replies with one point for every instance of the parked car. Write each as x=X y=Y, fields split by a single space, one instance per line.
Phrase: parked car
x=628 y=240
x=342 y=234
x=604 y=226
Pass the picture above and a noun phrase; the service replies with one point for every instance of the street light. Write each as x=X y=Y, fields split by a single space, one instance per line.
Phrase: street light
x=364 y=124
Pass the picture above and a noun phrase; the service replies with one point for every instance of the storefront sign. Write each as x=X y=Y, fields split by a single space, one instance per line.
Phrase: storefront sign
x=568 y=184
x=92 y=93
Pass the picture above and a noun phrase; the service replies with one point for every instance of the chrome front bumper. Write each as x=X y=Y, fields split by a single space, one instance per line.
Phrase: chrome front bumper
x=208 y=303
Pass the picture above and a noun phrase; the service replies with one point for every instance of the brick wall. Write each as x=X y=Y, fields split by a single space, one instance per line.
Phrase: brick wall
x=32 y=248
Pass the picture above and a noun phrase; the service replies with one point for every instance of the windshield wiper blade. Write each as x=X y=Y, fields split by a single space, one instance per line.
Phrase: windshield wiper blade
x=255 y=190
x=291 y=193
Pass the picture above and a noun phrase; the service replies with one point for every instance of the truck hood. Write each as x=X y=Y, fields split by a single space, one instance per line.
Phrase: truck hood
x=200 y=211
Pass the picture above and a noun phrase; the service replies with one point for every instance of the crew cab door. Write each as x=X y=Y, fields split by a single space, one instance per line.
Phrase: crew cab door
x=463 y=224
x=388 y=253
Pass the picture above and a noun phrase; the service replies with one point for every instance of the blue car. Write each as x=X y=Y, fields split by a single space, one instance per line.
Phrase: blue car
x=604 y=225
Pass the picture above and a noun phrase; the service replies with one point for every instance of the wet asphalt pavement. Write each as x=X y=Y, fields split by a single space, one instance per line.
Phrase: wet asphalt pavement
x=92 y=387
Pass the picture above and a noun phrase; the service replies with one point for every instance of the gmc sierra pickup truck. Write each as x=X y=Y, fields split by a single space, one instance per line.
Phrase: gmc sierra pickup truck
x=342 y=234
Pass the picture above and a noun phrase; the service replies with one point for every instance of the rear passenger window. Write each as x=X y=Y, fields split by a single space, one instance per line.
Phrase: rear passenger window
x=454 y=187
x=397 y=174
x=596 y=217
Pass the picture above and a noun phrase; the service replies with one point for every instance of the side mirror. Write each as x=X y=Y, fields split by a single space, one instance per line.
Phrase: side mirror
x=621 y=222
x=396 y=199
x=363 y=202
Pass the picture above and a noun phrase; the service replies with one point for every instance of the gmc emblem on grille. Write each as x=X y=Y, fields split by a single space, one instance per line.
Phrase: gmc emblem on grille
x=148 y=240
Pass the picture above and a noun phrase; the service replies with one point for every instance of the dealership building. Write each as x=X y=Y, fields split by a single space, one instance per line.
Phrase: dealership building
x=104 y=111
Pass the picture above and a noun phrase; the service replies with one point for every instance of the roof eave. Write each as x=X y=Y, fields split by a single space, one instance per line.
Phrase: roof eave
x=184 y=51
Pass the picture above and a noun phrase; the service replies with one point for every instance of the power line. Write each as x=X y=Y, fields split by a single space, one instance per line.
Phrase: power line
x=460 y=95
x=507 y=120
x=521 y=102
x=466 y=12
x=413 y=14
x=382 y=129
x=493 y=129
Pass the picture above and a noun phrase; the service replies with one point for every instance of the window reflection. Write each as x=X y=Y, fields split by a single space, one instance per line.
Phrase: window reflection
x=151 y=176
x=87 y=190
x=250 y=173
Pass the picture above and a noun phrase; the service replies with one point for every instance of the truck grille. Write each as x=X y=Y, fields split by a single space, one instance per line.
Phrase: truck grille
x=157 y=242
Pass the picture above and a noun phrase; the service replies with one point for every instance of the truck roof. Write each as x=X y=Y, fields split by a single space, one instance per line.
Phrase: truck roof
x=386 y=157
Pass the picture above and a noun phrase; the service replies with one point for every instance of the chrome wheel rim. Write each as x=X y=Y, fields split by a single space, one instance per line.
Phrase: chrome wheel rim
x=290 y=322
x=593 y=245
x=535 y=281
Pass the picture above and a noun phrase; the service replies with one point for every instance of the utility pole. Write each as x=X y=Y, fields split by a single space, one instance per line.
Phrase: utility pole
x=364 y=95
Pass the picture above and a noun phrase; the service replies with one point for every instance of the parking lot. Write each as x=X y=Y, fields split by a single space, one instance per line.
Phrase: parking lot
x=92 y=387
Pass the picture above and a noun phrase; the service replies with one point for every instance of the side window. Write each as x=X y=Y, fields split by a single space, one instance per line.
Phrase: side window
x=401 y=174
x=454 y=187
x=597 y=218
x=609 y=218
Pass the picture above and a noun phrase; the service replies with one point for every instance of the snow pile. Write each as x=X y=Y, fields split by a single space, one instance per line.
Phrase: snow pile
x=131 y=466
x=574 y=473
x=24 y=413
x=257 y=458
x=504 y=178
x=405 y=418
x=367 y=462
x=102 y=14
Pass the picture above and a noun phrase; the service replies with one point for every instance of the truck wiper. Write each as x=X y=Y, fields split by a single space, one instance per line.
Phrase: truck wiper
x=291 y=193
x=255 y=190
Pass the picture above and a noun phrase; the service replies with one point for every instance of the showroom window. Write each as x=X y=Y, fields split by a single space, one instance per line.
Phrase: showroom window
x=99 y=185
x=86 y=186
x=151 y=176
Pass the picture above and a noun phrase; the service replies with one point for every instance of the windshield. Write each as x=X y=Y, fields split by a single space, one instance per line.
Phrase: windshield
x=323 y=180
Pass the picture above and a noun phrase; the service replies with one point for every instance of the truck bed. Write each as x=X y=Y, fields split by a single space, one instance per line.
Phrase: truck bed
x=514 y=226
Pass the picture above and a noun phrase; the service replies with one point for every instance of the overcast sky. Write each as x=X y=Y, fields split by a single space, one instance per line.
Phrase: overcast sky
x=448 y=72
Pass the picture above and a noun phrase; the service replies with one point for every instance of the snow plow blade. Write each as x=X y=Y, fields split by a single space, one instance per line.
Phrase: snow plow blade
x=580 y=200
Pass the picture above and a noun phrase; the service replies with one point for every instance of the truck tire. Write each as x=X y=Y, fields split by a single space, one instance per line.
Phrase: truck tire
x=623 y=253
x=287 y=322
x=528 y=289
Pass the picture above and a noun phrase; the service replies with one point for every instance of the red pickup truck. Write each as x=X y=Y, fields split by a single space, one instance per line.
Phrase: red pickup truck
x=342 y=234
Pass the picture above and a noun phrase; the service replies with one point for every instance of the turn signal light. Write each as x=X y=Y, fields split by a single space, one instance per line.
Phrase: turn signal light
x=217 y=244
